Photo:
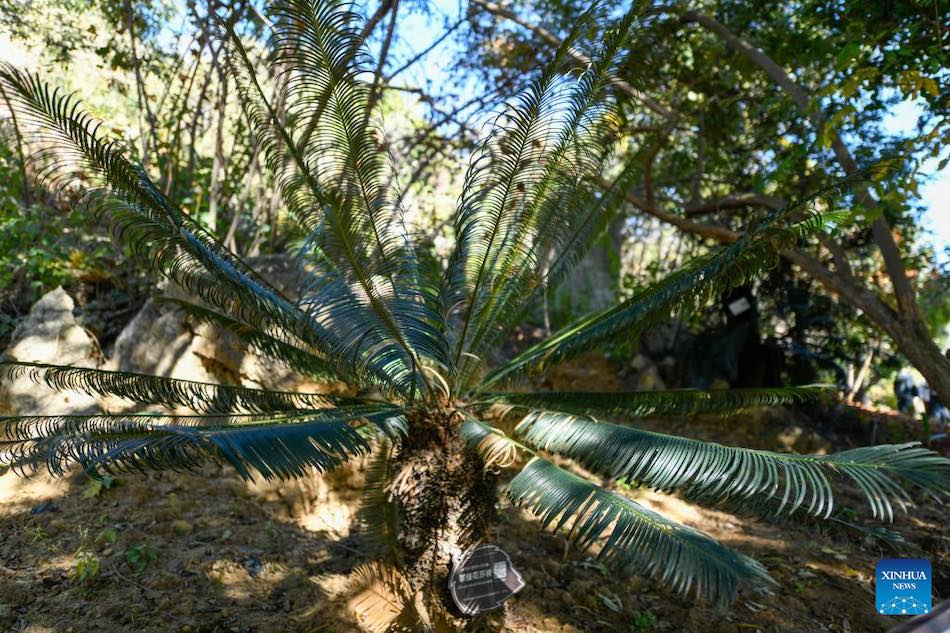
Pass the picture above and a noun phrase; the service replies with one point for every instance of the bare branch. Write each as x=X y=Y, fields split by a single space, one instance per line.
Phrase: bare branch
x=579 y=58
x=735 y=201
x=881 y=230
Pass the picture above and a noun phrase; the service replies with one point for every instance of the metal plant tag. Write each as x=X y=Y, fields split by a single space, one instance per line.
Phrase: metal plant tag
x=482 y=579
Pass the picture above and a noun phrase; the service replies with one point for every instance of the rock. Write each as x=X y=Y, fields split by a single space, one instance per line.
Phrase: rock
x=640 y=362
x=50 y=334
x=663 y=339
x=650 y=380
x=160 y=340
x=589 y=288
x=46 y=506
x=157 y=341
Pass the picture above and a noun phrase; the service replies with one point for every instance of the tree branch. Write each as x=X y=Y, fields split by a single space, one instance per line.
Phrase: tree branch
x=427 y=49
x=881 y=230
x=735 y=201
x=579 y=58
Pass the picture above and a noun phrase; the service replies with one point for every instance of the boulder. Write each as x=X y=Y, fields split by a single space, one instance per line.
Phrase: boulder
x=49 y=334
x=650 y=380
x=161 y=340
x=640 y=362
x=665 y=338
x=157 y=341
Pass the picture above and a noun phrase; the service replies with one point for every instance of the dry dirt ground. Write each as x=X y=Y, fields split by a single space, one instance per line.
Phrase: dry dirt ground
x=205 y=552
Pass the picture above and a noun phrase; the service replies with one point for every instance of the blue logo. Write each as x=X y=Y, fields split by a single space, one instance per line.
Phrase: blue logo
x=903 y=586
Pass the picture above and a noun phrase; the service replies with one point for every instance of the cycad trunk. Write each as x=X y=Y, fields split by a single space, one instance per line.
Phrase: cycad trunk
x=446 y=501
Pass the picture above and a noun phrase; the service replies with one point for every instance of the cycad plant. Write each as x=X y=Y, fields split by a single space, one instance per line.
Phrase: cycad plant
x=377 y=311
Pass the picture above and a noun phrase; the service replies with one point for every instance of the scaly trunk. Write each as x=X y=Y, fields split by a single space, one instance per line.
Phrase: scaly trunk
x=446 y=502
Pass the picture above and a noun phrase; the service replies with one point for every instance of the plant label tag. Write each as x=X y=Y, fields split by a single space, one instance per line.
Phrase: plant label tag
x=739 y=306
x=482 y=579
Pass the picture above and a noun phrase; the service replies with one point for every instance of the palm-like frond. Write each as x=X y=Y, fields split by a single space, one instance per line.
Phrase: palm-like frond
x=691 y=286
x=762 y=481
x=377 y=514
x=151 y=224
x=201 y=397
x=680 y=556
x=365 y=280
x=156 y=231
x=532 y=191
x=276 y=446
x=665 y=402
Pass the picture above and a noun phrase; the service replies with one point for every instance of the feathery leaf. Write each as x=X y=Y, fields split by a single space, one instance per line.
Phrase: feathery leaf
x=534 y=190
x=762 y=481
x=664 y=402
x=201 y=397
x=276 y=446
x=633 y=535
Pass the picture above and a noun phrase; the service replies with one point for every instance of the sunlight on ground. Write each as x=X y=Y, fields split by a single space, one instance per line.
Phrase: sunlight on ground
x=234 y=581
x=722 y=525
x=17 y=491
x=334 y=517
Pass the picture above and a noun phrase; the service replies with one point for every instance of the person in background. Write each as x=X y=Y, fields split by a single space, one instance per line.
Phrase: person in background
x=922 y=401
x=905 y=391
x=934 y=409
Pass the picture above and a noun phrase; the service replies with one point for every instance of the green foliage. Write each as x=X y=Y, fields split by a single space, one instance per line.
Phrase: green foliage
x=672 y=402
x=97 y=485
x=767 y=482
x=376 y=311
x=689 y=287
x=684 y=558
x=643 y=622
x=108 y=535
x=86 y=568
x=935 y=303
x=139 y=557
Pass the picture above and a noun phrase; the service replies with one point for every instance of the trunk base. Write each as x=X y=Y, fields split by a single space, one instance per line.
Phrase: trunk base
x=446 y=503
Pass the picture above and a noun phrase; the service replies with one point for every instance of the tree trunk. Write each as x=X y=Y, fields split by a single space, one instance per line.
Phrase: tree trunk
x=218 y=159
x=915 y=342
x=445 y=501
x=909 y=332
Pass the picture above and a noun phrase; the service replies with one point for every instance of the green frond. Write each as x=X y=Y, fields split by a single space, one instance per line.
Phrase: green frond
x=762 y=481
x=155 y=230
x=397 y=322
x=201 y=397
x=532 y=183
x=689 y=287
x=539 y=202
x=364 y=276
x=153 y=227
x=682 y=557
x=276 y=446
x=664 y=402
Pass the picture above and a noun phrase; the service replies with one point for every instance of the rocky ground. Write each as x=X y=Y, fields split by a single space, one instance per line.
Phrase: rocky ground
x=207 y=552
